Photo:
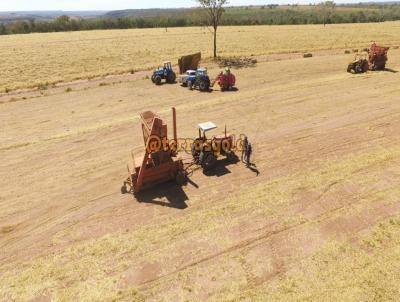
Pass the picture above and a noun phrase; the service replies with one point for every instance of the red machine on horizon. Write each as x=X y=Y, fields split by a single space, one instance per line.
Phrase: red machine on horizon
x=374 y=59
x=377 y=57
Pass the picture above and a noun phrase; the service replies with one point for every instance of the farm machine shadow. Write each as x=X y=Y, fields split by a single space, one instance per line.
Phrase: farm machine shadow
x=167 y=194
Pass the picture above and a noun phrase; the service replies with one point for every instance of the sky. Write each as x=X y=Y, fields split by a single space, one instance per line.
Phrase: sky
x=74 y=5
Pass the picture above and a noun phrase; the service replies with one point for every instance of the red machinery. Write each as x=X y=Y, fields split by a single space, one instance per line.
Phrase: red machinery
x=160 y=162
x=225 y=80
x=377 y=57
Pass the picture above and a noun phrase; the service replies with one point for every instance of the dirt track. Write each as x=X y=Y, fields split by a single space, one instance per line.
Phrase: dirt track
x=318 y=134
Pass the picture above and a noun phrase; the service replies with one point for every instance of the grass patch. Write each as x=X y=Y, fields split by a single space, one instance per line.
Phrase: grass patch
x=43 y=59
x=96 y=268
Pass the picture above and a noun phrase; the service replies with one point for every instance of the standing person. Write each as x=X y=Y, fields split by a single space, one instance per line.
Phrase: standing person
x=244 y=148
x=249 y=150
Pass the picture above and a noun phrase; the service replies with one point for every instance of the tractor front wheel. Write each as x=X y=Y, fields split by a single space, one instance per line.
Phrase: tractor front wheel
x=189 y=85
x=358 y=69
x=208 y=162
x=204 y=86
x=157 y=80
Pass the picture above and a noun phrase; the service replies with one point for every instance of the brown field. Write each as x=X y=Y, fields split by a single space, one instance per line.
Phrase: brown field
x=321 y=221
x=44 y=59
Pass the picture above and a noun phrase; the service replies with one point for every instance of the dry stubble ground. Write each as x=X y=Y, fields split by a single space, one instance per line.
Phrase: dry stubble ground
x=320 y=222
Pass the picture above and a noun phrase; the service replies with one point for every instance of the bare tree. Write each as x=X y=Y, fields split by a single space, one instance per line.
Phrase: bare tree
x=215 y=10
x=327 y=9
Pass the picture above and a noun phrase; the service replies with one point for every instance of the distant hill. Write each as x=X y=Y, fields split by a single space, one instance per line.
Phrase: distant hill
x=7 y=17
x=153 y=12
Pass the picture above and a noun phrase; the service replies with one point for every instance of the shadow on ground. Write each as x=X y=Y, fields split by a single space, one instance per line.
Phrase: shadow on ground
x=221 y=167
x=168 y=194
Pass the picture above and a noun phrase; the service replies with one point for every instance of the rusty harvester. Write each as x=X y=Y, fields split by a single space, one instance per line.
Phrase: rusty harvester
x=160 y=163
x=374 y=59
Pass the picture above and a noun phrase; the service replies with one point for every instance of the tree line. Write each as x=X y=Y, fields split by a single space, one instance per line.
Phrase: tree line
x=262 y=15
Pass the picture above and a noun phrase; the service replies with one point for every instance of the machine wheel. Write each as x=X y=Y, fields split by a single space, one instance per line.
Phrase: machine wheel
x=189 y=85
x=230 y=156
x=349 y=68
x=204 y=86
x=171 y=78
x=358 y=69
x=152 y=78
x=123 y=189
x=208 y=162
x=180 y=178
x=157 y=80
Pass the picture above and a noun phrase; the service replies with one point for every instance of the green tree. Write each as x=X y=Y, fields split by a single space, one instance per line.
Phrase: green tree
x=327 y=9
x=215 y=10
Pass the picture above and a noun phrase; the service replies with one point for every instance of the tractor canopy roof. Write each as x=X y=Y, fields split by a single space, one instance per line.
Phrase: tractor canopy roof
x=207 y=126
x=202 y=70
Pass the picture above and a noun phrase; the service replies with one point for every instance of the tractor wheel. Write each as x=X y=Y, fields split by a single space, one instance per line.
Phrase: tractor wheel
x=358 y=69
x=189 y=85
x=230 y=156
x=171 y=78
x=157 y=80
x=195 y=149
x=349 y=68
x=180 y=178
x=152 y=79
x=208 y=162
x=204 y=86
x=123 y=189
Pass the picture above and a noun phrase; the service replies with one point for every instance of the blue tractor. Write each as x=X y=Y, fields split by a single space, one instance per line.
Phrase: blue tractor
x=196 y=79
x=164 y=73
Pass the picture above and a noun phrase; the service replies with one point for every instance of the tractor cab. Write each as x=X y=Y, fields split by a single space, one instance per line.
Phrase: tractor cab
x=167 y=65
x=201 y=72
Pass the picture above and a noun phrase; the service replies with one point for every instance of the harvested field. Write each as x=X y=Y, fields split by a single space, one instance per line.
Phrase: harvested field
x=43 y=59
x=321 y=220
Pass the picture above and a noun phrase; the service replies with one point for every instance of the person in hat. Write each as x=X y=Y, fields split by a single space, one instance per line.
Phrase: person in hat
x=249 y=151
x=245 y=142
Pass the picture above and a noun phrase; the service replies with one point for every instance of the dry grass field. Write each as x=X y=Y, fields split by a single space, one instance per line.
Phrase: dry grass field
x=41 y=59
x=320 y=222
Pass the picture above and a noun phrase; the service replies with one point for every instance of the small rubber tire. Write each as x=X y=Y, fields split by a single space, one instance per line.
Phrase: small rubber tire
x=157 y=80
x=208 y=162
x=124 y=190
x=204 y=86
